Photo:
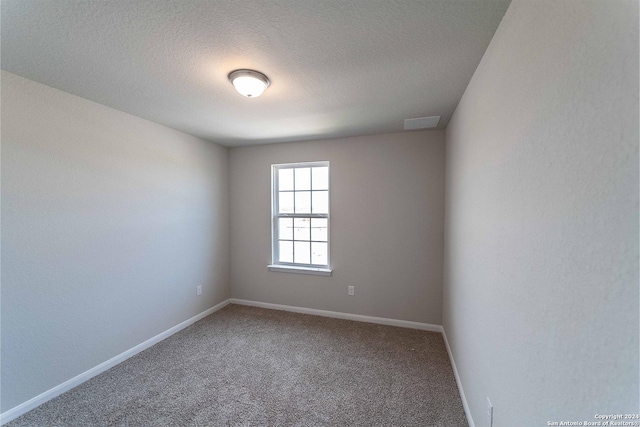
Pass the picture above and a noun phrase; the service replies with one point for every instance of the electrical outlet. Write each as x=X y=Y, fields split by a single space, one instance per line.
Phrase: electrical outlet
x=489 y=413
x=199 y=290
x=351 y=290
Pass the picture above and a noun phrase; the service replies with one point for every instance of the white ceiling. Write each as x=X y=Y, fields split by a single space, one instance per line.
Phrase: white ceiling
x=338 y=67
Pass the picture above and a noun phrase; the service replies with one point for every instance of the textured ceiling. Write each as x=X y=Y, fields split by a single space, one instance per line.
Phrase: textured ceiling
x=338 y=67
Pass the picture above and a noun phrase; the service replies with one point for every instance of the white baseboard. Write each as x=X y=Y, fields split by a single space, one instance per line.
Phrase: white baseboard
x=465 y=405
x=339 y=315
x=30 y=404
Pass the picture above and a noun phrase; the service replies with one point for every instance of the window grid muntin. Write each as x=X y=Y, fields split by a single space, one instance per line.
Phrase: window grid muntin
x=275 y=238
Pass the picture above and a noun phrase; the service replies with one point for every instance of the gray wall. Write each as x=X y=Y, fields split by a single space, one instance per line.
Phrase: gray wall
x=386 y=226
x=109 y=222
x=541 y=258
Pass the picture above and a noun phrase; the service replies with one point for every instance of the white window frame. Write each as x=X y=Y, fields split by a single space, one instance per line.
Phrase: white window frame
x=290 y=267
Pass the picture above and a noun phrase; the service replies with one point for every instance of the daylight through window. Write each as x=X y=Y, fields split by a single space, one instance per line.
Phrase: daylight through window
x=301 y=214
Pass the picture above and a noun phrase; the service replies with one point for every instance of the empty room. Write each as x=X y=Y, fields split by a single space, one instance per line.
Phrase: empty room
x=319 y=213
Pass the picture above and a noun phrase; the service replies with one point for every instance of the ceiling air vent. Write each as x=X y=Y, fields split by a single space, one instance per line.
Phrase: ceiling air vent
x=421 y=123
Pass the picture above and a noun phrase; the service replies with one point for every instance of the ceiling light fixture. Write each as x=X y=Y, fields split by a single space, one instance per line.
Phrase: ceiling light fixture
x=249 y=83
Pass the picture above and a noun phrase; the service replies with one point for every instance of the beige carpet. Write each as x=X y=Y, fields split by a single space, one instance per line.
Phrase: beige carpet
x=246 y=366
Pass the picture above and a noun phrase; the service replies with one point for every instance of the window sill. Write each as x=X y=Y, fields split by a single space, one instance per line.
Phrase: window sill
x=300 y=270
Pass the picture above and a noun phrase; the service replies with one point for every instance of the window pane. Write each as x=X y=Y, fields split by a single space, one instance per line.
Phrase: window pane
x=303 y=179
x=285 y=203
x=320 y=178
x=320 y=202
x=319 y=253
x=301 y=229
x=285 y=252
x=302 y=191
x=285 y=179
x=302 y=253
x=303 y=201
x=319 y=229
x=285 y=228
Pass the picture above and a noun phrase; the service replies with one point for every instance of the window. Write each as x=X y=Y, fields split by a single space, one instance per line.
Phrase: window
x=300 y=218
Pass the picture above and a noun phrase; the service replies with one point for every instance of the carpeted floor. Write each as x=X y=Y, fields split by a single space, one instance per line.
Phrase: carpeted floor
x=247 y=366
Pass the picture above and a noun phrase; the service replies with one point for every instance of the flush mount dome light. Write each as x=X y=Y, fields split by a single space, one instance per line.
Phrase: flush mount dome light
x=249 y=83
